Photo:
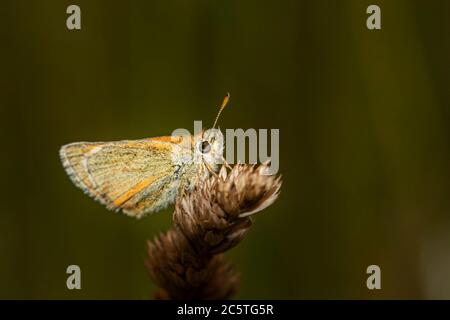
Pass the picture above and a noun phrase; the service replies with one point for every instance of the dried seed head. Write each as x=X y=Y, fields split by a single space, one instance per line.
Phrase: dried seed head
x=186 y=262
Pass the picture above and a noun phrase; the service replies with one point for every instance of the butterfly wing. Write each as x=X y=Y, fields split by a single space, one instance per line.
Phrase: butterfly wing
x=136 y=177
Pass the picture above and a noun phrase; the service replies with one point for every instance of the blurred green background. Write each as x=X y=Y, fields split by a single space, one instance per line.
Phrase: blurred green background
x=364 y=126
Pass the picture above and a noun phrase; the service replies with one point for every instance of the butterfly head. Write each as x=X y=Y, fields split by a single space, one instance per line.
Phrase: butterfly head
x=209 y=148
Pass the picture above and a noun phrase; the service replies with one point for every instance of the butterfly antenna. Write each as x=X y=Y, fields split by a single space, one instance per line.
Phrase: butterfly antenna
x=222 y=106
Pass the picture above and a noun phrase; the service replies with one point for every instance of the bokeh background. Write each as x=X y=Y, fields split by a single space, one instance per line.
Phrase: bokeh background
x=364 y=125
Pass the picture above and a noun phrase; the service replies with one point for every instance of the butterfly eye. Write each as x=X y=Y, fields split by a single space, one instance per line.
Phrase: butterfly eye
x=205 y=147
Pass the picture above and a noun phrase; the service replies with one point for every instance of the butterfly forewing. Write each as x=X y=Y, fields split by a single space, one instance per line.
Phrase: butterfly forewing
x=135 y=176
